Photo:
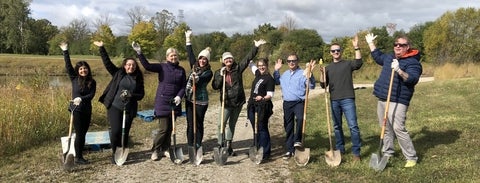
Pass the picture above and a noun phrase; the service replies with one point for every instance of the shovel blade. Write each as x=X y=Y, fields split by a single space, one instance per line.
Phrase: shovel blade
x=377 y=163
x=220 y=155
x=199 y=156
x=176 y=155
x=68 y=162
x=195 y=156
x=121 y=156
x=256 y=154
x=302 y=156
x=333 y=158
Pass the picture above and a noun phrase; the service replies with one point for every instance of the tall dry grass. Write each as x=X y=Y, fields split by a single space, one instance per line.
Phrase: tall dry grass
x=455 y=71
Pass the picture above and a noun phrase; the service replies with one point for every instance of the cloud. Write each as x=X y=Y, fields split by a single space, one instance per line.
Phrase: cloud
x=331 y=18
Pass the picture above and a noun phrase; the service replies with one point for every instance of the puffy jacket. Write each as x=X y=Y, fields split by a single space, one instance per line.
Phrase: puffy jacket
x=402 y=91
x=171 y=83
x=235 y=94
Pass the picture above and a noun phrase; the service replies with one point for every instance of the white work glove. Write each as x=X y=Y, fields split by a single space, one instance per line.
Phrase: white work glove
x=177 y=100
x=64 y=46
x=188 y=34
x=125 y=95
x=77 y=101
x=223 y=70
x=136 y=47
x=259 y=42
x=395 y=65
x=370 y=37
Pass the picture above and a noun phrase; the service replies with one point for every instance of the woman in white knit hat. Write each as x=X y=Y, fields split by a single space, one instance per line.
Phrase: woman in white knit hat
x=202 y=73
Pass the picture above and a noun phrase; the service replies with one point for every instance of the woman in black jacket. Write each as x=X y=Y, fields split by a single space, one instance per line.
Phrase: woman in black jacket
x=83 y=91
x=125 y=79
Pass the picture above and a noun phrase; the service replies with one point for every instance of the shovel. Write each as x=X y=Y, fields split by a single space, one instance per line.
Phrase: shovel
x=376 y=162
x=302 y=154
x=195 y=155
x=333 y=158
x=122 y=154
x=256 y=153
x=220 y=154
x=68 y=159
x=177 y=152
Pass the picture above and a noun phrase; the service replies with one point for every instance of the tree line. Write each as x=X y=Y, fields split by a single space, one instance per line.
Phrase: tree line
x=454 y=37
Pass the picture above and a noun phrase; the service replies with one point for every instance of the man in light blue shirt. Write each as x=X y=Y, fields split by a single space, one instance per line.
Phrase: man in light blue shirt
x=293 y=84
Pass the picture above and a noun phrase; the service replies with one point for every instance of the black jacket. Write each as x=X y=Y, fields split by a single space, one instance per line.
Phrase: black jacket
x=235 y=94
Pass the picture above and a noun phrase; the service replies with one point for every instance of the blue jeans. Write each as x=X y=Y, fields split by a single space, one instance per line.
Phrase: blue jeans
x=347 y=107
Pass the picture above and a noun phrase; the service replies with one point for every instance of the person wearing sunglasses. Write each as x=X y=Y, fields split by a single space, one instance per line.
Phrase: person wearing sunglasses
x=342 y=95
x=293 y=84
x=404 y=62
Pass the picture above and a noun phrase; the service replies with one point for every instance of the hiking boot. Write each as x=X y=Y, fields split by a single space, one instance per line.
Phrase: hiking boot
x=298 y=145
x=287 y=155
x=80 y=161
x=410 y=163
x=154 y=156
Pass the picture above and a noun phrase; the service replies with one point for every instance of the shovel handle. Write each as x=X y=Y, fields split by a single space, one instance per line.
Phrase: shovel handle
x=326 y=109
x=387 y=105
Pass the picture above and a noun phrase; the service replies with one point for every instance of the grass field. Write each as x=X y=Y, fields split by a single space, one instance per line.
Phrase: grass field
x=442 y=121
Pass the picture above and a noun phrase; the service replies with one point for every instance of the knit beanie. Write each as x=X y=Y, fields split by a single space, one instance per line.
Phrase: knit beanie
x=205 y=53
x=227 y=55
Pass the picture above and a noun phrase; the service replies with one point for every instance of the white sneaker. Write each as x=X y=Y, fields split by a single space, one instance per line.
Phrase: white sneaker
x=298 y=144
x=154 y=155
x=166 y=154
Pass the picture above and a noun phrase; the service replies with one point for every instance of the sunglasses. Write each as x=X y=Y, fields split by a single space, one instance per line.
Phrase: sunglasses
x=290 y=61
x=400 y=44
x=336 y=50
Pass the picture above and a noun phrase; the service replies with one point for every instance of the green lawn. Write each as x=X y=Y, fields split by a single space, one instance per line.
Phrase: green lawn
x=442 y=121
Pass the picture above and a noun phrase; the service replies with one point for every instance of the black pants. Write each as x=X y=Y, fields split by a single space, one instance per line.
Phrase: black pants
x=81 y=123
x=200 y=117
x=115 y=118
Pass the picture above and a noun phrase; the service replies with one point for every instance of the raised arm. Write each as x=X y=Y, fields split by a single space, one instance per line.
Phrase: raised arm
x=68 y=63
x=111 y=68
x=253 y=52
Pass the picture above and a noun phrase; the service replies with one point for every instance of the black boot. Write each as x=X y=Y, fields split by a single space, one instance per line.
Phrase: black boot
x=80 y=161
x=230 y=149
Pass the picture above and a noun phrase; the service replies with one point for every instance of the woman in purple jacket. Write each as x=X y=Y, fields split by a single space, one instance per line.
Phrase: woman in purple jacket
x=170 y=90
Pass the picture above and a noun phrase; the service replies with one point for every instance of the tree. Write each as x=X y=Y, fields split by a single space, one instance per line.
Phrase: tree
x=176 y=40
x=217 y=41
x=136 y=15
x=165 y=24
x=13 y=27
x=461 y=31
x=103 y=33
x=416 y=37
x=144 y=33
x=38 y=41
x=288 y=23
x=309 y=43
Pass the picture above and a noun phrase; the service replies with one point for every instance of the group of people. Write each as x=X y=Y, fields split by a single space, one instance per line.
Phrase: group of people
x=126 y=88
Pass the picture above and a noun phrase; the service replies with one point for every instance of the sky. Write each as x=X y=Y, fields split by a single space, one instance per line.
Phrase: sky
x=330 y=18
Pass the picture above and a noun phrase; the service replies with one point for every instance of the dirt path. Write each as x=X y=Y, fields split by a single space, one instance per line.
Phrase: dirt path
x=239 y=168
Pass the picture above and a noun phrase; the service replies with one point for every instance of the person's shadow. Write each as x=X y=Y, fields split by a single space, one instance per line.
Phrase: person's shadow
x=423 y=141
x=427 y=139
